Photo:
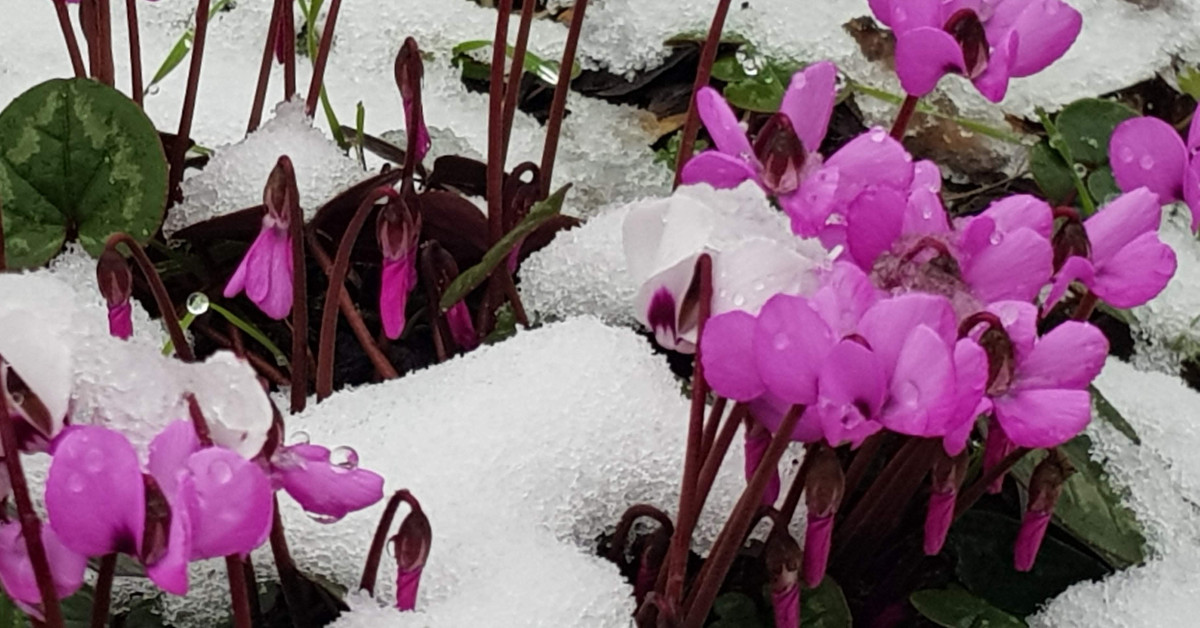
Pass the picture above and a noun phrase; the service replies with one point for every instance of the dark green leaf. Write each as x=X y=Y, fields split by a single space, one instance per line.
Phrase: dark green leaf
x=1112 y=415
x=1086 y=125
x=1102 y=185
x=10 y=615
x=1052 y=174
x=506 y=325
x=824 y=606
x=699 y=37
x=736 y=610
x=956 y=608
x=544 y=69
x=983 y=542
x=728 y=68
x=77 y=156
x=469 y=279
x=181 y=48
x=764 y=84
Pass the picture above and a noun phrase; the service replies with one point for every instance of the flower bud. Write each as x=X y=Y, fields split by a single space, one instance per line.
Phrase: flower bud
x=781 y=153
x=823 y=488
x=1045 y=486
x=783 y=564
x=411 y=547
x=440 y=269
x=409 y=71
x=116 y=284
x=996 y=448
x=1071 y=239
x=281 y=193
x=398 y=230
x=946 y=478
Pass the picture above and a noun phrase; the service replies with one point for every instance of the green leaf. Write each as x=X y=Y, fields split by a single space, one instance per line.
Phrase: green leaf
x=728 y=68
x=506 y=325
x=543 y=69
x=10 y=615
x=77 y=156
x=181 y=48
x=736 y=610
x=469 y=279
x=762 y=84
x=956 y=608
x=824 y=606
x=1189 y=82
x=1086 y=126
x=1102 y=185
x=1051 y=173
x=1090 y=509
x=1112 y=415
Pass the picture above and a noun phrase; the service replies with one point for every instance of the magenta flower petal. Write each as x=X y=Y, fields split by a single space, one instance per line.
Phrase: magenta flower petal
x=229 y=503
x=992 y=83
x=266 y=272
x=398 y=278
x=16 y=570
x=1046 y=29
x=971 y=375
x=937 y=520
x=811 y=204
x=846 y=294
x=996 y=448
x=757 y=440
x=169 y=453
x=924 y=213
x=1137 y=273
x=786 y=605
x=1074 y=269
x=170 y=570
x=462 y=330
x=1118 y=223
x=322 y=487
x=769 y=411
x=1029 y=539
x=790 y=341
x=922 y=399
x=1020 y=319
x=923 y=56
x=1191 y=190
x=120 y=320
x=1021 y=211
x=728 y=357
x=872 y=158
x=852 y=389
x=407 y=582
x=1013 y=266
x=1043 y=418
x=873 y=223
x=1148 y=152
x=722 y=125
x=808 y=102
x=887 y=324
x=720 y=170
x=94 y=492
x=817 y=538
x=1068 y=356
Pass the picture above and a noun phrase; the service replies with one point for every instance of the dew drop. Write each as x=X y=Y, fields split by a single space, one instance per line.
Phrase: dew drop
x=759 y=286
x=781 y=341
x=221 y=472
x=197 y=303
x=299 y=438
x=996 y=238
x=319 y=518
x=1146 y=162
x=76 y=483
x=878 y=135
x=93 y=461
x=739 y=300
x=908 y=394
x=1080 y=170
x=1126 y=154
x=344 y=457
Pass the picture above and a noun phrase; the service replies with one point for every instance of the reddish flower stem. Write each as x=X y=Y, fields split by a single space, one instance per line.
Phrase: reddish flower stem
x=861 y=463
x=31 y=527
x=375 y=554
x=708 y=54
x=710 y=426
x=96 y=18
x=102 y=595
x=725 y=548
x=256 y=616
x=692 y=462
x=1087 y=304
x=495 y=157
x=792 y=500
x=904 y=116
x=299 y=364
x=180 y=146
x=136 y=89
x=289 y=577
x=383 y=367
x=616 y=551
x=161 y=298
x=337 y=281
x=910 y=460
x=264 y=69
x=68 y=31
x=318 y=76
x=716 y=456
x=289 y=51
x=968 y=497
x=516 y=71
x=558 y=106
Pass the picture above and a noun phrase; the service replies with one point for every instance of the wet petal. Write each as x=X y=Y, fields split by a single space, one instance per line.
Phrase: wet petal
x=16 y=570
x=812 y=203
x=808 y=102
x=722 y=125
x=1046 y=29
x=922 y=388
x=726 y=351
x=1118 y=223
x=169 y=454
x=971 y=374
x=170 y=571
x=852 y=388
x=1148 y=152
x=657 y=234
x=845 y=295
x=746 y=276
x=887 y=324
x=992 y=83
x=873 y=223
x=1021 y=211
x=790 y=341
x=923 y=56
x=1043 y=418
x=94 y=493
x=1068 y=356
x=229 y=503
x=924 y=213
x=872 y=158
x=1137 y=273
x=322 y=487
x=1013 y=266
x=720 y=170
x=397 y=279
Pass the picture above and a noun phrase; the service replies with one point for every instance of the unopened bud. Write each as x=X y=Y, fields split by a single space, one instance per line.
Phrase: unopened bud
x=1045 y=486
x=280 y=195
x=1071 y=240
x=411 y=547
x=784 y=559
x=946 y=478
x=996 y=448
x=823 y=488
x=114 y=277
x=398 y=228
x=409 y=70
x=439 y=269
x=781 y=153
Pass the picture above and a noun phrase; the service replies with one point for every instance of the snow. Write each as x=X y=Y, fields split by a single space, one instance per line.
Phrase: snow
x=1168 y=331
x=1161 y=478
x=74 y=267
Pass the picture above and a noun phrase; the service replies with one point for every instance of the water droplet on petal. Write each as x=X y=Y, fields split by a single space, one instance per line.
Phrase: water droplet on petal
x=1126 y=154
x=739 y=300
x=996 y=238
x=1146 y=162
x=197 y=303
x=93 y=461
x=781 y=341
x=220 y=471
x=799 y=81
x=76 y=483
x=877 y=135
x=907 y=394
x=344 y=457
x=299 y=438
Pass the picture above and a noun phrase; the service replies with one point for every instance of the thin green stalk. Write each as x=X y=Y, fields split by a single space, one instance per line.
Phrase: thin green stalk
x=971 y=125
x=1059 y=145
x=253 y=332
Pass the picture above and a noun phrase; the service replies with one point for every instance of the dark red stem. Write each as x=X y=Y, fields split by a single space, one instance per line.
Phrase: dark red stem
x=558 y=107
x=1087 y=304
x=180 y=146
x=161 y=298
x=708 y=54
x=375 y=554
x=299 y=309
x=517 y=71
x=289 y=578
x=337 y=280
x=616 y=551
x=796 y=490
x=968 y=497
x=289 y=51
x=264 y=69
x=495 y=157
x=102 y=595
x=96 y=17
x=318 y=76
x=710 y=426
x=68 y=31
x=137 y=90
x=904 y=116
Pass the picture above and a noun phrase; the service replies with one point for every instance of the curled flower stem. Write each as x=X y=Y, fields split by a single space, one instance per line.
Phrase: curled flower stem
x=135 y=52
x=725 y=548
x=516 y=71
x=383 y=367
x=337 y=287
x=968 y=497
x=708 y=54
x=161 y=298
x=299 y=363
x=375 y=554
x=264 y=70
x=31 y=528
x=68 y=31
x=102 y=594
x=687 y=514
x=904 y=116
x=495 y=157
x=289 y=579
x=318 y=77
x=179 y=147
x=558 y=107
x=616 y=551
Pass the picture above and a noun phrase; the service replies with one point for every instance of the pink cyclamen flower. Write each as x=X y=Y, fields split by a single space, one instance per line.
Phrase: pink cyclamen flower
x=786 y=150
x=397 y=230
x=16 y=570
x=946 y=478
x=116 y=285
x=1038 y=386
x=757 y=439
x=784 y=562
x=1123 y=260
x=823 y=490
x=462 y=329
x=194 y=503
x=266 y=272
x=987 y=41
x=321 y=486
x=411 y=545
x=409 y=71
x=1045 y=486
x=1147 y=152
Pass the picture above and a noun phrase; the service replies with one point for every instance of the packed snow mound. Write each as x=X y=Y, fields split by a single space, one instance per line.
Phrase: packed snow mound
x=1168 y=328
x=1161 y=478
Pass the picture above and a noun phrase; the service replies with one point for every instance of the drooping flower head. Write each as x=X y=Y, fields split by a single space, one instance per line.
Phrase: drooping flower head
x=327 y=484
x=987 y=41
x=16 y=569
x=411 y=546
x=116 y=284
x=1045 y=487
x=266 y=272
x=398 y=229
x=409 y=71
x=1147 y=152
x=440 y=269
